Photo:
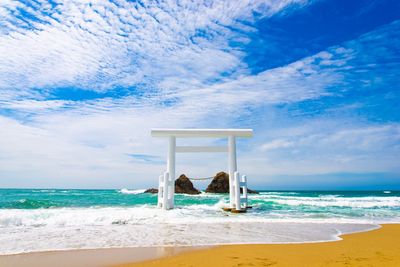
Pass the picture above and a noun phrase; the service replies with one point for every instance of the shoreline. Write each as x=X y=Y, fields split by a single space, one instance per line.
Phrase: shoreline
x=96 y=257
x=137 y=256
x=376 y=247
x=330 y=232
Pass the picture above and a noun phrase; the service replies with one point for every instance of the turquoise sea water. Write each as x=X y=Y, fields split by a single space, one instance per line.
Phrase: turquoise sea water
x=373 y=205
x=47 y=219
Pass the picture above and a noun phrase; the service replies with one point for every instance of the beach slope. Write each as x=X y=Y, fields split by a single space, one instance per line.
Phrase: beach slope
x=379 y=247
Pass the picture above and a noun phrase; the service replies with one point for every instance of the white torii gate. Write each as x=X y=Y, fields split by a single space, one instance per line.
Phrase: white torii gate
x=166 y=188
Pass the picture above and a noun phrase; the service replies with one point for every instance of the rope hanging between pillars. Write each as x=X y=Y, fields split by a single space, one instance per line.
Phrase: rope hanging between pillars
x=201 y=179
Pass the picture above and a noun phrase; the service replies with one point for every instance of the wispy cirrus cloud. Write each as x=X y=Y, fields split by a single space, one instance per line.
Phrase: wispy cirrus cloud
x=97 y=46
x=82 y=83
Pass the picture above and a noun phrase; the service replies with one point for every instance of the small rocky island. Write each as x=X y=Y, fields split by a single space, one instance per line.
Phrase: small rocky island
x=183 y=185
x=219 y=184
x=151 y=190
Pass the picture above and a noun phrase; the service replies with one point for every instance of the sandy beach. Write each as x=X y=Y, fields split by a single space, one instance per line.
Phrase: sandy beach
x=372 y=248
x=379 y=247
x=89 y=257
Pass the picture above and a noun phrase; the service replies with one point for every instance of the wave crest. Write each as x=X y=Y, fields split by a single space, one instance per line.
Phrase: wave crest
x=131 y=192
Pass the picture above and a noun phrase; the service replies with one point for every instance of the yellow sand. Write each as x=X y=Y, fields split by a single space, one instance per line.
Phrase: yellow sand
x=379 y=247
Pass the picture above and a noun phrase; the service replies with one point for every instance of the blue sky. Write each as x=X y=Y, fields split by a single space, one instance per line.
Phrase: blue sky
x=83 y=82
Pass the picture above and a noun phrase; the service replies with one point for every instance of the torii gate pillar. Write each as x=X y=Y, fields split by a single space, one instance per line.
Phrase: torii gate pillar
x=171 y=170
x=232 y=167
x=166 y=188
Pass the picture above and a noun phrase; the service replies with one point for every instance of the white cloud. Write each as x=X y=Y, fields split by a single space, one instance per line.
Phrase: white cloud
x=97 y=45
x=179 y=52
x=326 y=146
x=94 y=138
x=275 y=144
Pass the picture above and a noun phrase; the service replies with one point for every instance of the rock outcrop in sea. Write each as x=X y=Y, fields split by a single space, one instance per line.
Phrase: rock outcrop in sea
x=183 y=185
x=220 y=184
x=151 y=190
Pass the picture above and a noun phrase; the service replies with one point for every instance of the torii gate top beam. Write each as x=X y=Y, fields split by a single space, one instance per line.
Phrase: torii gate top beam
x=218 y=133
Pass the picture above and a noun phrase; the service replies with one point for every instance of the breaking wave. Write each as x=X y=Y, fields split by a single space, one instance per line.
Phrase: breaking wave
x=64 y=219
x=132 y=192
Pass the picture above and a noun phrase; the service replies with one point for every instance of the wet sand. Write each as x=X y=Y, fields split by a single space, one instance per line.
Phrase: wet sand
x=88 y=257
x=379 y=247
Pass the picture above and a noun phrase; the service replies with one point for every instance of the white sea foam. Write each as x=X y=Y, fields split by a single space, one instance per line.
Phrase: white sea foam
x=193 y=214
x=23 y=230
x=132 y=192
x=342 y=202
x=364 y=209
x=333 y=201
x=146 y=234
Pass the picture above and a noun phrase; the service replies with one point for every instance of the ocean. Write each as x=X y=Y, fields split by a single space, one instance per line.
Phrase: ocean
x=55 y=219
